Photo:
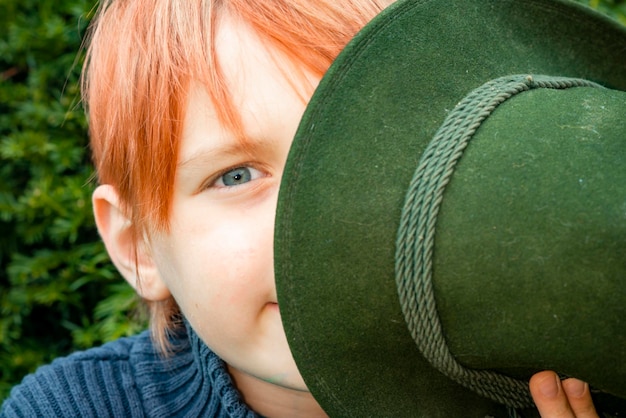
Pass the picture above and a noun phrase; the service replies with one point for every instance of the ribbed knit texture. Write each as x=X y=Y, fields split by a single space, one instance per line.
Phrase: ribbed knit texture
x=128 y=378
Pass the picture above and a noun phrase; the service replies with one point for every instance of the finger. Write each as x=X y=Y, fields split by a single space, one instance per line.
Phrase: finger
x=579 y=397
x=549 y=396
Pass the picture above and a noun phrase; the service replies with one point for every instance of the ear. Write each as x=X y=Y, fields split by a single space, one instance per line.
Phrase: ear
x=130 y=254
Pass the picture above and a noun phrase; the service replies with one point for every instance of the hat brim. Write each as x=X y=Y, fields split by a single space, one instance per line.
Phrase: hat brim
x=353 y=157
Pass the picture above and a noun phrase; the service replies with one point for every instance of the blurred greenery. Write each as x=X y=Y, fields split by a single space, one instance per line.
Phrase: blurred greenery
x=58 y=290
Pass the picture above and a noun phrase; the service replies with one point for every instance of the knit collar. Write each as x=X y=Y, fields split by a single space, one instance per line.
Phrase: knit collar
x=213 y=372
x=190 y=381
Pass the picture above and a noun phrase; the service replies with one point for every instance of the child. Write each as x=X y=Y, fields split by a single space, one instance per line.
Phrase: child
x=192 y=108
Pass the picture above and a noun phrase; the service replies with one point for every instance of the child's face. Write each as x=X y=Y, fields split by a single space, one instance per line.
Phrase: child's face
x=217 y=259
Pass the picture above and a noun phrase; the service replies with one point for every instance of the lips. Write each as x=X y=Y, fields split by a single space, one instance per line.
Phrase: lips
x=272 y=305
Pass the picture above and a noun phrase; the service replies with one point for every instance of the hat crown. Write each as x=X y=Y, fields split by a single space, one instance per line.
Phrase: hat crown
x=418 y=223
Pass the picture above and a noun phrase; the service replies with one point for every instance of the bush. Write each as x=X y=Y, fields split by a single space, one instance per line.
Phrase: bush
x=58 y=291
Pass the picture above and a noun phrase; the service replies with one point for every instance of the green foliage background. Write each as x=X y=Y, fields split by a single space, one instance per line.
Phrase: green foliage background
x=58 y=290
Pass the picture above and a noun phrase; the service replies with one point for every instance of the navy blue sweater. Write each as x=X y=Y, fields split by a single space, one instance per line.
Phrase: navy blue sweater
x=128 y=378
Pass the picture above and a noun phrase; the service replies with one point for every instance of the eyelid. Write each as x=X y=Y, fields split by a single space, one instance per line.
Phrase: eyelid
x=211 y=183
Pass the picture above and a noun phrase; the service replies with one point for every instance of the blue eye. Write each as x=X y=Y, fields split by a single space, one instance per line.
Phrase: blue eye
x=237 y=176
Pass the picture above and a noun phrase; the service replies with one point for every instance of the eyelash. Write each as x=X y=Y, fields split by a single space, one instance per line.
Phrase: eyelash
x=252 y=174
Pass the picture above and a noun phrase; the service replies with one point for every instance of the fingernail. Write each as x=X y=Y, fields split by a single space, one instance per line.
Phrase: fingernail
x=574 y=387
x=549 y=387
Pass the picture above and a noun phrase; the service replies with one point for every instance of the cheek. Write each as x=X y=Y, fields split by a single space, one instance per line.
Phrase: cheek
x=236 y=253
x=229 y=265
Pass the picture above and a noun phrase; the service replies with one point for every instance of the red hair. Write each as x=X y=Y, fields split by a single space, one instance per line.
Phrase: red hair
x=141 y=59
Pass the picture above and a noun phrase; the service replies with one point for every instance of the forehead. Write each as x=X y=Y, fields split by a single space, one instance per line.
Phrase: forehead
x=246 y=58
x=259 y=80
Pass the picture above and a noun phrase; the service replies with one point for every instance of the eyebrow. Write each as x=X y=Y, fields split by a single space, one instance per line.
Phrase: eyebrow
x=210 y=153
x=248 y=146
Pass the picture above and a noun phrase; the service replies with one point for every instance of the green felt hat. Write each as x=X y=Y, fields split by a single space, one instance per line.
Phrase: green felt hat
x=452 y=217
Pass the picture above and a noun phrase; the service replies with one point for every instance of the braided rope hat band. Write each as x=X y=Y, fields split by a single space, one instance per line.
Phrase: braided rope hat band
x=417 y=232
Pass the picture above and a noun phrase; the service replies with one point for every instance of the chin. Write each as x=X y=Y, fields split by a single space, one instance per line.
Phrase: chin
x=285 y=375
x=294 y=383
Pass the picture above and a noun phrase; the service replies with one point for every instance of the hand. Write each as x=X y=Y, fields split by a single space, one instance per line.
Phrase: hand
x=554 y=398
